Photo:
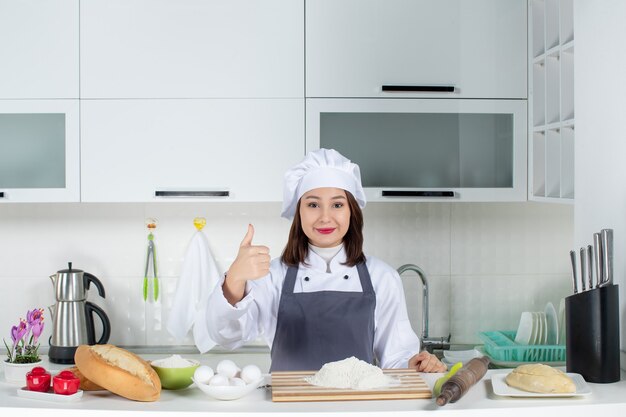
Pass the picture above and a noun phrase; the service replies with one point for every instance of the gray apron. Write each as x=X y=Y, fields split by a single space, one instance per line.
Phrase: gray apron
x=314 y=328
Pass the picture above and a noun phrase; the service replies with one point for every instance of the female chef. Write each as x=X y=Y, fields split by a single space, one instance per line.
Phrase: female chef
x=323 y=300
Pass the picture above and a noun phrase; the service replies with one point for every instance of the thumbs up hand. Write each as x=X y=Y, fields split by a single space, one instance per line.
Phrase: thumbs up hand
x=252 y=262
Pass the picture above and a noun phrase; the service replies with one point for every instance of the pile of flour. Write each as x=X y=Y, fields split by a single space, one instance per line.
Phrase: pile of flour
x=174 y=361
x=350 y=373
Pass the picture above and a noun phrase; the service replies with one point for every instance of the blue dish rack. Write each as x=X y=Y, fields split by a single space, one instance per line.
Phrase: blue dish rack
x=500 y=345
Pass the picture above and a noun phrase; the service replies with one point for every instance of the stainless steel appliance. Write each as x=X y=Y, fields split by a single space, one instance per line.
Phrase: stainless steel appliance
x=72 y=315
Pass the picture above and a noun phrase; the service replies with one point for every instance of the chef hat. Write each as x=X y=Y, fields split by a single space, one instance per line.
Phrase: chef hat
x=321 y=168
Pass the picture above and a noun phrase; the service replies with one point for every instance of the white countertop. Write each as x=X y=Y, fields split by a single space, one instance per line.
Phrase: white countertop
x=605 y=399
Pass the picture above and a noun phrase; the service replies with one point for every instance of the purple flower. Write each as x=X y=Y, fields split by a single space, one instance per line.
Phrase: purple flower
x=37 y=330
x=18 y=332
x=34 y=316
x=24 y=349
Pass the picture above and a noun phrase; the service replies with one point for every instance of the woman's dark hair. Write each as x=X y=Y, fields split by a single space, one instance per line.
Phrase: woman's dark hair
x=298 y=244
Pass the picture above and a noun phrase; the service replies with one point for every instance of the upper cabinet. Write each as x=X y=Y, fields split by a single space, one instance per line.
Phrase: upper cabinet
x=202 y=150
x=38 y=49
x=192 y=48
x=425 y=149
x=39 y=151
x=145 y=100
x=416 y=48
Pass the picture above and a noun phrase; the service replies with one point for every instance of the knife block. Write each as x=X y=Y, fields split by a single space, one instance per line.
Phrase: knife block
x=592 y=334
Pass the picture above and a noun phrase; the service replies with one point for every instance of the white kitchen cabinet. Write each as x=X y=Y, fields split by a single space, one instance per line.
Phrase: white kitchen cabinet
x=355 y=47
x=39 y=151
x=551 y=101
x=38 y=49
x=425 y=149
x=192 y=48
x=207 y=150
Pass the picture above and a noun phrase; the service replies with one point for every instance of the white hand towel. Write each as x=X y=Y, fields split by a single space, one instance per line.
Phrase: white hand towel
x=197 y=280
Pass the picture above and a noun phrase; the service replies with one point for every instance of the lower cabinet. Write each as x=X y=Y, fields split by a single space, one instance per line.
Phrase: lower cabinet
x=200 y=150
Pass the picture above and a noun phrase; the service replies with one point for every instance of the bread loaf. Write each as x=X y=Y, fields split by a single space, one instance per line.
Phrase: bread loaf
x=540 y=378
x=119 y=371
x=85 y=384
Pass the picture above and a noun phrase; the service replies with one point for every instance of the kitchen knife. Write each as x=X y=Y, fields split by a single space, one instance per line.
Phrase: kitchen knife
x=572 y=256
x=597 y=246
x=590 y=266
x=583 y=268
x=607 y=259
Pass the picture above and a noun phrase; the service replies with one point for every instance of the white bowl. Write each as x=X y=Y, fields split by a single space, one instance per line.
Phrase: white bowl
x=525 y=331
x=228 y=392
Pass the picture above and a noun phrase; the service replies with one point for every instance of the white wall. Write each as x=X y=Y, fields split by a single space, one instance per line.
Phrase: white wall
x=600 y=88
x=486 y=262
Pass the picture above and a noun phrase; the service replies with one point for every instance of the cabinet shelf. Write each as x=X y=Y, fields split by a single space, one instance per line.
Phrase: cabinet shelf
x=560 y=200
x=551 y=98
x=554 y=126
x=567 y=46
x=554 y=51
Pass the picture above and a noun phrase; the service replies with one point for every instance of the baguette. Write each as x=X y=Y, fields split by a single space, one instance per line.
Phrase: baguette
x=540 y=378
x=119 y=371
x=85 y=384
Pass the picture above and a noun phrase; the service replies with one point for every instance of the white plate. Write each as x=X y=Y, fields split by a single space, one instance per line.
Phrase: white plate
x=535 y=337
x=553 y=325
x=544 y=328
x=228 y=392
x=536 y=329
x=501 y=388
x=562 y=321
x=49 y=396
x=525 y=329
x=542 y=324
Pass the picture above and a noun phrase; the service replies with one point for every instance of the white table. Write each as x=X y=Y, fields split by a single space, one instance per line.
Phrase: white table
x=605 y=400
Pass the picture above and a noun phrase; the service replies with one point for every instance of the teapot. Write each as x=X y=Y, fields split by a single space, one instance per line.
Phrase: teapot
x=72 y=315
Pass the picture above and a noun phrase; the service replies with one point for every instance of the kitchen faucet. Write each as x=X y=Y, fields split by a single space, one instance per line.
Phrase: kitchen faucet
x=428 y=343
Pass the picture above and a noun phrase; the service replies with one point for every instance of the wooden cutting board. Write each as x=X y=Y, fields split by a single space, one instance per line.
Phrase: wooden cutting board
x=291 y=386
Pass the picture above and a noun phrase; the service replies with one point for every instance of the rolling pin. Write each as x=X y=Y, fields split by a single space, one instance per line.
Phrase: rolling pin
x=463 y=380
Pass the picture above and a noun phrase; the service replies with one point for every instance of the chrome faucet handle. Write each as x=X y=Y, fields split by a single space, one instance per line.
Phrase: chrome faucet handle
x=432 y=343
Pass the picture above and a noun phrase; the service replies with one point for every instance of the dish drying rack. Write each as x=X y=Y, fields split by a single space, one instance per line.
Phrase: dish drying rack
x=500 y=345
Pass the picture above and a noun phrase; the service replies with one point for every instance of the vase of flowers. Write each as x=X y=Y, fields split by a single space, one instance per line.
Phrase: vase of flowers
x=22 y=354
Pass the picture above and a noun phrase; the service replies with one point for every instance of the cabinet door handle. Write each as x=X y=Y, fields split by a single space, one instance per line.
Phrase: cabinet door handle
x=214 y=193
x=391 y=193
x=419 y=88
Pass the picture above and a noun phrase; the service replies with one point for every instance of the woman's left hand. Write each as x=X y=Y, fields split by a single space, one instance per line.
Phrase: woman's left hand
x=426 y=362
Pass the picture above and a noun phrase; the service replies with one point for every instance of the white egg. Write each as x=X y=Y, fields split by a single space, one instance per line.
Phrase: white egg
x=227 y=368
x=237 y=382
x=203 y=374
x=219 y=380
x=250 y=373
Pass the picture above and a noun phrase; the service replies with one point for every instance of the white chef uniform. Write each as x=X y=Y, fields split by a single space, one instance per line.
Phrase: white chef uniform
x=256 y=314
